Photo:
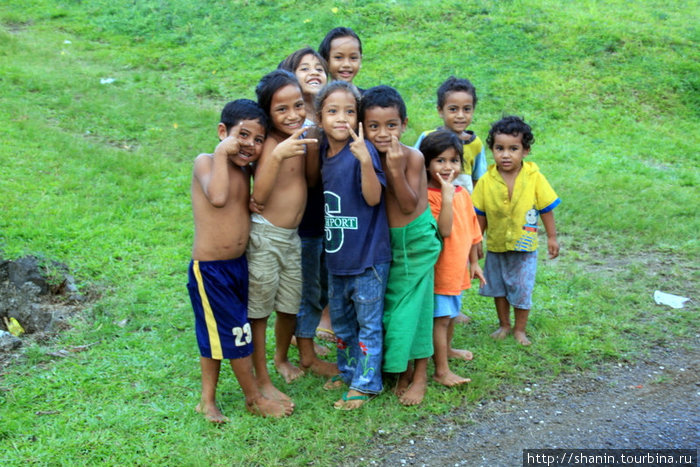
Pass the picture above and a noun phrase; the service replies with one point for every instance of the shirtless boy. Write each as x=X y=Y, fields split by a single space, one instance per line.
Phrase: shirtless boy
x=415 y=245
x=274 y=250
x=218 y=272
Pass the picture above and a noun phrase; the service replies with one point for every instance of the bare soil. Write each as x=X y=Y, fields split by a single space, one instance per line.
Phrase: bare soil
x=652 y=403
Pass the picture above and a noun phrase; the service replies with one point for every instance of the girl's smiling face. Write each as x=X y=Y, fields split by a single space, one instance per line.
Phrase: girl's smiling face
x=287 y=110
x=443 y=165
x=344 y=59
x=311 y=74
x=338 y=114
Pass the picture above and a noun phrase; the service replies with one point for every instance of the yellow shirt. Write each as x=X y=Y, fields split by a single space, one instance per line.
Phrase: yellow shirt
x=512 y=223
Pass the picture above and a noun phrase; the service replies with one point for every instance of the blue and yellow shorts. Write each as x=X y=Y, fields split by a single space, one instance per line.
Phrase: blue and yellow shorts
x=219 y=295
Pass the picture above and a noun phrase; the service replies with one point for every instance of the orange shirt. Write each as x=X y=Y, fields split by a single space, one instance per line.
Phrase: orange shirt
x=452 y=267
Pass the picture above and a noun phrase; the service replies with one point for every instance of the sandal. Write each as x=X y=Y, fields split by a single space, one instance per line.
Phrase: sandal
x=335 y=382
x=360 y=397
x=325 y=334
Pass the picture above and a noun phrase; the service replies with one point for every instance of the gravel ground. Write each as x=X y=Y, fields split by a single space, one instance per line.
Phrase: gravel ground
x=653 y=403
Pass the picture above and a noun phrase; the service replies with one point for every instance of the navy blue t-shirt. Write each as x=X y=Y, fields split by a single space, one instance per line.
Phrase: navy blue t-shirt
x=357 y=234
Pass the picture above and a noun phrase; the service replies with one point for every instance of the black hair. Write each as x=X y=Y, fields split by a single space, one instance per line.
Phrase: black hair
x=382 y=96
x=291 y=63
x=511 y=125
x=242 y=109
x=325 y=47
x=329 y=89
x=270 y=84
x=453 y=84
x=438 y=141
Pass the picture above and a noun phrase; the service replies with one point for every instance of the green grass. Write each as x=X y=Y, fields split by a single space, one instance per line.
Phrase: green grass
x=96 y=176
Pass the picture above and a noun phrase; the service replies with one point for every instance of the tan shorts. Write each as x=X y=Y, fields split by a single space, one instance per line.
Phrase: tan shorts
x=274 y=268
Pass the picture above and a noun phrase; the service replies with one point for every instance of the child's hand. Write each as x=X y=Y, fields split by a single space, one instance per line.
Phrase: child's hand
x=475 y=271
x=394 y=156
x=446 y=187
x=230 y=145
x=552 y=247
x=358 y=146
x=293 y=146
x=253 y=206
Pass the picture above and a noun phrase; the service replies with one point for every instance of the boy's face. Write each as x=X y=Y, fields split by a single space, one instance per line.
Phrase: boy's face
x=344 y=59
x=458 y=111
x=448 y=162
x=508 y=152
x=250 y=137
x=311 y=75
x=339 y=112
x=287 y=110
x=380 y=124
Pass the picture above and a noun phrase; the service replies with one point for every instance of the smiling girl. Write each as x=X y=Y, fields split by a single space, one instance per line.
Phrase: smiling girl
x=357 y=244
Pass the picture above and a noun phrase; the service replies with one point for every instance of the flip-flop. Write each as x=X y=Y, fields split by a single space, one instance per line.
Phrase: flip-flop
x=361 y=397
x=333 y=383
x=325 y=334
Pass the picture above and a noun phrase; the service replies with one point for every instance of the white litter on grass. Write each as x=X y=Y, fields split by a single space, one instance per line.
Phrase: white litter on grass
x=674 y=301
x=67 y=42
x=107 y=80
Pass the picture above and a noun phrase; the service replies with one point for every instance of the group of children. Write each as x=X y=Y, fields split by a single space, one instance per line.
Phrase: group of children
x=342 y=213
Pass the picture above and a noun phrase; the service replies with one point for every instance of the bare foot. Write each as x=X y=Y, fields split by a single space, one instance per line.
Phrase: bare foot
x=271 y=392
x=269 y=408
x=352 y=400
x=414 y=394
x=288 y=371
x=521 y=338
x=450 y=379
x=404 y=381
x=336 y=382
x=460 y=354
x=462 y=319
x=321 y=350
x=322 y=368
x=500 y=333
x=211 y=413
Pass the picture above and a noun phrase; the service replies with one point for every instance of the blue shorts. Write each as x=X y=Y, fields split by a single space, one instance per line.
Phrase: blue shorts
x=447 y=305
x=510 y=274
x=219 y=296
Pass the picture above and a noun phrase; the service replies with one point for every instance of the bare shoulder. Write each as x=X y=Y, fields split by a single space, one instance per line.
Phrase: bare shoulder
x=414 y=158
x=202 y=164
x=411 y=153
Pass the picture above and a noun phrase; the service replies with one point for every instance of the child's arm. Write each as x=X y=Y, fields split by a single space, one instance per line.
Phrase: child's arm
x=474 y=268
x=271 y=160
x=371 y=187
x=550 y=227
x=405 y=174
x=482 y=223
x=313 y=158
x=212 y=173
x=447 y=189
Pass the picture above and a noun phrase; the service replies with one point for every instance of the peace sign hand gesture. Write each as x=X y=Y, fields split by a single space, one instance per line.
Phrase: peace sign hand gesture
x=358 y=146
x=446 y=186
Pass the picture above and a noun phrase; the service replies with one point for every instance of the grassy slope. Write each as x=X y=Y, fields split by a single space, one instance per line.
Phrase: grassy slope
x=96 y=176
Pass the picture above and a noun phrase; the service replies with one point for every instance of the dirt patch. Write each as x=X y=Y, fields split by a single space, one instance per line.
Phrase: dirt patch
x=653 y=403
x=36 y=299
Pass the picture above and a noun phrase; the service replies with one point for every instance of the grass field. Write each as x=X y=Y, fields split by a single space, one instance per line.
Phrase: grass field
x=97 y=176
